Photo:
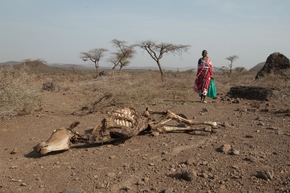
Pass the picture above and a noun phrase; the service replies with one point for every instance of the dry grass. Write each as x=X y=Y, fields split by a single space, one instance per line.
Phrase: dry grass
x=134 y=88
x=16 y=95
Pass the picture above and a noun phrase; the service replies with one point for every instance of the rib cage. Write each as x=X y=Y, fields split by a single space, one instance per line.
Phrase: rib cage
x=123 y=117
x=125 y=122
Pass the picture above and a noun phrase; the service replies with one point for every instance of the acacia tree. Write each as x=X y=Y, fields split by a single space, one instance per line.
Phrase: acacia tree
x=94 y=56
x=123 y=55
x=156 y=51
x=232 y=59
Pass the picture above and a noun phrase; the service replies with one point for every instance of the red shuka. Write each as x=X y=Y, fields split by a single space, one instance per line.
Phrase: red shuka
x=203 y=75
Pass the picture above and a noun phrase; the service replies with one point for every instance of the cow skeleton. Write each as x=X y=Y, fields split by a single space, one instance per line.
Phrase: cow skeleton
x=122 y=123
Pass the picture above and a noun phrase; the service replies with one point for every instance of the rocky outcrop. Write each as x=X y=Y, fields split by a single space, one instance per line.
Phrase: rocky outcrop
x=275 y=64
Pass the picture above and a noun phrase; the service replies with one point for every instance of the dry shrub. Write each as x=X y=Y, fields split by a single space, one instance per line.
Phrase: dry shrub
x=42 y=70
x=138 y=89
x=16 y=96
x=237 y=79
x=75 y=75
x=274 y=81
x=226 y=81
x=125 y=87
x=280 y=86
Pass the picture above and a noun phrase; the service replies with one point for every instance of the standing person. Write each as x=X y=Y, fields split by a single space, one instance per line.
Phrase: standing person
x=203 y=76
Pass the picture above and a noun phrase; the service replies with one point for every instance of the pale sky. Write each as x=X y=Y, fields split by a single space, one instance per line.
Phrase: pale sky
x=58 y=30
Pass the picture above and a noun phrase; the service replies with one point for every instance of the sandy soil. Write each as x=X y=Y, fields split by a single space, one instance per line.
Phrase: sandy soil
x=257 y=131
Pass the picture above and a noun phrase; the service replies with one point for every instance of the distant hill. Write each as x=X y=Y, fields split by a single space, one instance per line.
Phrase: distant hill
x=92 y=67
x=74 y=66
x=258 y=67
x=10 y=63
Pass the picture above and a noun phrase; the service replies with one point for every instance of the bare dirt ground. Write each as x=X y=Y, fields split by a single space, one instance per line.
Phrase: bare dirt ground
x=258 y=131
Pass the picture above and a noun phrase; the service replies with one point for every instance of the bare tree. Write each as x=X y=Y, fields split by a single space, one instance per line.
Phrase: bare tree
x=95 y=56
x=232 y=59
x=123 y=55
x=156 y=51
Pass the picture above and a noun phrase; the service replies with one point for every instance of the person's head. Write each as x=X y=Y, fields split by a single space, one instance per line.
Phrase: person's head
x=204 y=53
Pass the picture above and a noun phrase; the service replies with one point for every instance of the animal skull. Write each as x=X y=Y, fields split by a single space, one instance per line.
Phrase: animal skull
x=59 y=140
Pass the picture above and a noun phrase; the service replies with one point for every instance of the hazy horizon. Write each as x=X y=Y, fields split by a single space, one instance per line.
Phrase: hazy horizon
x=57 y=31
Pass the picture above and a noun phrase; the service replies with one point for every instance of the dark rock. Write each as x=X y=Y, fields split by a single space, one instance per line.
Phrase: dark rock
x=265 y=175
x=275 y=64
x=188 y=175
x=250 y=92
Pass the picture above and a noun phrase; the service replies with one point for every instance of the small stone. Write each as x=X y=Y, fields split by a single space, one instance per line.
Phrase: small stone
x=250 y=159
x=188 y=175
x=204 y=175
x=155 y=133
x=14 y=151
x=236 y=167
x=235 y=152
x=173 y=170
x=226 y=148
x=164 y=153
x=111 y=174
x=140 y=183
x=23 y=184
x=261 y=123
x=265 y=175
x=190 y=161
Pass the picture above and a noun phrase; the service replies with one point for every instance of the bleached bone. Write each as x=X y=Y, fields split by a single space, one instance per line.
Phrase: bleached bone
x=59 y=140
x=123 y=123
x=167 y=129
x=172 y=116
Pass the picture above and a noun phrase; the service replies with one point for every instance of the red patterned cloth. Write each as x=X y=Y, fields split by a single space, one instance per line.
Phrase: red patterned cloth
x=203 y=76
